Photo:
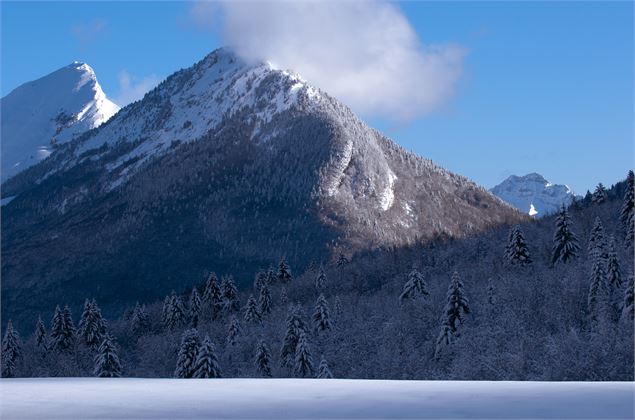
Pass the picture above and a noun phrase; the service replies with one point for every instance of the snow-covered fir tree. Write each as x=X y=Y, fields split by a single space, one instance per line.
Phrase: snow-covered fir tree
x=271 y=276
x=230 y=295
x=596 y=299
x=320 y=279
x=321 y=316
x=165 y=310
x=40 y=335
x=284 y=272
x=262 y=360
x=295 y=326
x=140 y=320
x=260 y=280
x=175 y=314
x=284 y=298
x=251 y=311
x=597 y=242
x=338 y=307
x=233 y=331
x=194 y=312
x=303 y=366
x=206 y=365
x=565 y=243
x=414 y=286
x=342 y=261
x=188 y=353
x=213 y=296
x=456 y=308
x=629 y=239
x=92 y=326
x=11 y=352
x=62 y=330
x=628 y=203
x=107 y=364
x=264 y=300
x=614 y=274
x=517 y=251
x=628 y=307
x=324 y=372
x=491 y=292
x=599 y=195
x=457 y=305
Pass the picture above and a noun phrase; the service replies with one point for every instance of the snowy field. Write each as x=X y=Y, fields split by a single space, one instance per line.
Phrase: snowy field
x=88 y=398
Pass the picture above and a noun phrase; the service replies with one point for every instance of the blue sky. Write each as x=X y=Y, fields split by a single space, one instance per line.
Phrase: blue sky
x=545 y=87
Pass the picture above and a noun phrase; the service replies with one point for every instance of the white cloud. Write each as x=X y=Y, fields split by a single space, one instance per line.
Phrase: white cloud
x=132 y=88
x=364 y=53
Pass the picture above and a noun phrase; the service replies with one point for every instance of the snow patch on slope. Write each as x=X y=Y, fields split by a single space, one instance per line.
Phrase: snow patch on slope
x=387 y=197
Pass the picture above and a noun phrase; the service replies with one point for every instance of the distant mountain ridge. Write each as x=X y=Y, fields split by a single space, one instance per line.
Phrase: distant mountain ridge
x=39 y=115
x=225 y=166
x=533 y=194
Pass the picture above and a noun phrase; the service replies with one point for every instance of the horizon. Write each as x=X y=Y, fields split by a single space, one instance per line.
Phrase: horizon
x=484 y=111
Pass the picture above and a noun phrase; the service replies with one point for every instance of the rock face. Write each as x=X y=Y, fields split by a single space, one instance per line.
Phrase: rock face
x=533 y=194
x=224 y=166
x=40 y=115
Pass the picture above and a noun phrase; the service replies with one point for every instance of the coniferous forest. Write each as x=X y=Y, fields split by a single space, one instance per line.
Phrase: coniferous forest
x=550 y=299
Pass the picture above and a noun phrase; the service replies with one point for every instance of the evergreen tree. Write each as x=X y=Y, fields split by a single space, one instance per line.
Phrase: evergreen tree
x=206 y=365
x=271 y=276
x=416 y=285
x=213 y=296
x=230 y=295
x=165 y=310
x=261 y=280
x=457 y=305
x=294 y=328
x=251 y=311
x=597 y=242
x=342 y=261
x=40 y=334
x=195 y=308
x=491 y=292
x=338 y=307
x=263 y=360
x=443 y=340
x=599 y=195
x=517 y=251
x=175 y=316
x=188 y=353
x=11 y=352
x=92 y=326
x=628 y=307
x=264 y=302
x=284 y=299
x=321 y=317
x=303 y=366
x=565 y=243
x=284 y=272
x=320 y=280
x=626 y=212
x=630 y=231
x=62 y=329
x=233 y=332
x=323 y=370
x=597 y=290
x=107 y=364
x=140 y=320
x=614 y=274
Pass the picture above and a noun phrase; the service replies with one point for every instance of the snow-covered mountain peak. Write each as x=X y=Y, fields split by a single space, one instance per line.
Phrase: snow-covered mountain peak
x=42 y=114
x=533 y=194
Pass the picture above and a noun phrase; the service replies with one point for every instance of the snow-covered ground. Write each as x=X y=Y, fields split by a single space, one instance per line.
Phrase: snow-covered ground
x=87 y=398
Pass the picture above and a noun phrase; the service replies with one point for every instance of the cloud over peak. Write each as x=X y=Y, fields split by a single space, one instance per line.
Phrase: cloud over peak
x=365 y=53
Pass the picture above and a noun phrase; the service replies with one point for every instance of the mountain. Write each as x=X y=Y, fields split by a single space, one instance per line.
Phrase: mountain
x=533 y=194
x=224 y=166
x=40 y=115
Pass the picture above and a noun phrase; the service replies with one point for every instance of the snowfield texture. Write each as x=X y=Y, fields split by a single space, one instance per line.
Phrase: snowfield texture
x=50 y=111
x=533 y=194
x=310 y=399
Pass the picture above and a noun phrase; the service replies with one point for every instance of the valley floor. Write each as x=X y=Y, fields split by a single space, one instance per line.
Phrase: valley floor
x=90 y=398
